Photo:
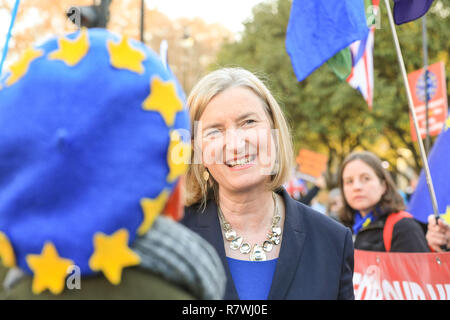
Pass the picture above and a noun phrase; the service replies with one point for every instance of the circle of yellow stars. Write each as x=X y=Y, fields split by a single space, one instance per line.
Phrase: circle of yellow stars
x=111 y=252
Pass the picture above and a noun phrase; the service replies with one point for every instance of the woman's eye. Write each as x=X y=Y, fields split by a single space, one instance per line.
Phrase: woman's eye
x=249 y=121
x=211 y=133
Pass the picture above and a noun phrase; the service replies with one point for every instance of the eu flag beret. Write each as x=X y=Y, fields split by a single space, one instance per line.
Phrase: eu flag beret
x=93 y=138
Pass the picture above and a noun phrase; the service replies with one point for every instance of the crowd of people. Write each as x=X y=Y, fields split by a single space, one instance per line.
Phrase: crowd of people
x=91 y=181
x=377 y=188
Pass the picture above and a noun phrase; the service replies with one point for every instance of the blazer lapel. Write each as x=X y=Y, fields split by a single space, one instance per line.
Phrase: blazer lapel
x=208 y=226
x=293 y=240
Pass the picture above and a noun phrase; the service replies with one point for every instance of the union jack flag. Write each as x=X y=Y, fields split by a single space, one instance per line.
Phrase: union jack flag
x=296 y=188
x=361 y=76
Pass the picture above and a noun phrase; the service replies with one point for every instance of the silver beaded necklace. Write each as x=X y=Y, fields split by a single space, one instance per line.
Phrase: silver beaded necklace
x=257 y=252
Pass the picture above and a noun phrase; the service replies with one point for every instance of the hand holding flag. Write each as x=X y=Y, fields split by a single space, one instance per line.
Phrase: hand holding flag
x=420 y=204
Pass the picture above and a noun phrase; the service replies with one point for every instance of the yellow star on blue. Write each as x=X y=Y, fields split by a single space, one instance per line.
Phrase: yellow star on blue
x=178 y=156
x=151 y=208
x=49 y=269
x=124 y=56
x=163 y=98
x=367 y=222
x=447 y=124
x=446 y=215
x=112 y=254
x=71 y=51
x=20 y=68
x=6 y=251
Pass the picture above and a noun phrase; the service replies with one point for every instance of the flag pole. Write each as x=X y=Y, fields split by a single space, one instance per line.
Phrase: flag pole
x=413 y=112
x=142 y=21
x=425 y=76
x=8 y=35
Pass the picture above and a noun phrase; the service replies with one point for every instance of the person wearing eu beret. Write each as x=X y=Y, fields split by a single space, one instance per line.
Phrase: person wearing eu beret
x=92 y=155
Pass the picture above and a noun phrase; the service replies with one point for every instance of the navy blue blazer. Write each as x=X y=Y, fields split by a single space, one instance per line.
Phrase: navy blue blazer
x=316 y=254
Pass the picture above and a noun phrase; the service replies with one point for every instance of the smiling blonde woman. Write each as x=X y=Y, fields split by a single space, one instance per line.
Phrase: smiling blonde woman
x=209 y=87
x=272 y=247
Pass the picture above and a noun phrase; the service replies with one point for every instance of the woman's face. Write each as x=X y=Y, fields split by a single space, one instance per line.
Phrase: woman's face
x=236 y=140
x=362 y=187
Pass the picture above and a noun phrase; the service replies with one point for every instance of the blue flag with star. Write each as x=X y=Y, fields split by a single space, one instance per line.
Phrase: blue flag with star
x=439 y=162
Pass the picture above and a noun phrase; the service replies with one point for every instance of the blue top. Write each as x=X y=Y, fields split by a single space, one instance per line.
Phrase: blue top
x=252 y=279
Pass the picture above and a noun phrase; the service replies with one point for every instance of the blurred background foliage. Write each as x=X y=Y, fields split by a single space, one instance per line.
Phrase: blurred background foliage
x=327 y=115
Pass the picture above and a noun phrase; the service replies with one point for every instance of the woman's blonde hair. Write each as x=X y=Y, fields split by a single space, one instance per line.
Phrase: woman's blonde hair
x=197 y=189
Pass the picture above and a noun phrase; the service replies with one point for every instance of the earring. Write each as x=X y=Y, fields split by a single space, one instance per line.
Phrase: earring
x=205 y=175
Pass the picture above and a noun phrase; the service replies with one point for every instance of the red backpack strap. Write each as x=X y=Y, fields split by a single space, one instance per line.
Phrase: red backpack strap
x=391 y=220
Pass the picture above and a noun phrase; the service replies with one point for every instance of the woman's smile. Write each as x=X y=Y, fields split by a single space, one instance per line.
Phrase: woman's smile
x=241 y=163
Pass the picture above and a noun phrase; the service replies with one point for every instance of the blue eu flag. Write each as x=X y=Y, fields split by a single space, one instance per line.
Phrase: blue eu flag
x=318 y=29
x=439 y=162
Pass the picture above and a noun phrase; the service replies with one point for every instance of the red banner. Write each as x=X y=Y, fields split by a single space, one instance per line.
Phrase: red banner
x=437 y=94
x=401 y=276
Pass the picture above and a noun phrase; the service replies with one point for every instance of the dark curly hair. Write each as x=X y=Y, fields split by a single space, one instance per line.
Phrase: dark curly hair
x=391 y=201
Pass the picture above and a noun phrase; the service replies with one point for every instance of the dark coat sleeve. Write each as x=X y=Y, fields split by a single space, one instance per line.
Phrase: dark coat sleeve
x=346 y=291
x=408 y=236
